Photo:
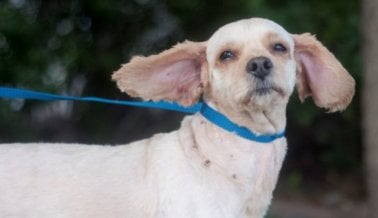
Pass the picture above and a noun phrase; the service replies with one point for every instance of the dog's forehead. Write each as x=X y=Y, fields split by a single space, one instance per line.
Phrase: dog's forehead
x=248 y=30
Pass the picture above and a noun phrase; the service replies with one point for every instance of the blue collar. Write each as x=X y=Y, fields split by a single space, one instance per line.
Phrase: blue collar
x=223 y=122
x=210 y=114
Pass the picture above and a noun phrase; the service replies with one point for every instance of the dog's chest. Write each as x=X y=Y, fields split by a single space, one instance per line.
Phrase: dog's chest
x=225 y=177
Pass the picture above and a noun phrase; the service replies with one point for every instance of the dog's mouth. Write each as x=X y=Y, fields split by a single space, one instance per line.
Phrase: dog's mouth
x=266 y=88
x=267 y=91
x=261 y=90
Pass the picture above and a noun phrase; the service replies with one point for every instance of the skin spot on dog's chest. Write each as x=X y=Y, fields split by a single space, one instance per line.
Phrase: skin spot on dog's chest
x=207 y=163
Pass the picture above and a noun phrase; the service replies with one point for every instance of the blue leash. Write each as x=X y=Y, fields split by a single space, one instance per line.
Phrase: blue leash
x=206 y=111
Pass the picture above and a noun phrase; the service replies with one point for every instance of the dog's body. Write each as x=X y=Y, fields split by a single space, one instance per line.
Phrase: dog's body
x=247 y=71
x=197 y=171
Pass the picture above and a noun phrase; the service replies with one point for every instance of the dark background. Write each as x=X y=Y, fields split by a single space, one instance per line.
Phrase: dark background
x=72 y=47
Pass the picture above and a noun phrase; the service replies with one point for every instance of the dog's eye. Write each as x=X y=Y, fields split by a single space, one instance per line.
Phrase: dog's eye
x=226 y=55
x=278 y=47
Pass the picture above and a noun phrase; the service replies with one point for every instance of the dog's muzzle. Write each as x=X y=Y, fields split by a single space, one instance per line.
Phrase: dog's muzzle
x=260 y=67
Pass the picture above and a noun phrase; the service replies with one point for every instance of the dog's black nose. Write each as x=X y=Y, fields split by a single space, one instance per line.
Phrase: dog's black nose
x=260 y=67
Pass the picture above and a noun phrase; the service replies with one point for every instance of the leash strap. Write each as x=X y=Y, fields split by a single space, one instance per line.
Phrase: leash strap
x=206 y=111
x=13 y=93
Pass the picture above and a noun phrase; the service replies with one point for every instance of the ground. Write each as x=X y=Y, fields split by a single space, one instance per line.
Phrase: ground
x=301 y=208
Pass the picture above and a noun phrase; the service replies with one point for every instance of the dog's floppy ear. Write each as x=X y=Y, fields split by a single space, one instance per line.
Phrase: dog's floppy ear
x=320 y=75
x=173 y=75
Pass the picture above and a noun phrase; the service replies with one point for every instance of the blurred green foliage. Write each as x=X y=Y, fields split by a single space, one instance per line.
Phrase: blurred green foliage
x=73 y=47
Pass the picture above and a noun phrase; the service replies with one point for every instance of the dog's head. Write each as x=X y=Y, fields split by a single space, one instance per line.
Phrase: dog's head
x=253 y=63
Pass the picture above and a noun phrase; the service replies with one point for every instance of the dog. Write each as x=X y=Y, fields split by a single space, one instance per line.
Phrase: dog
x=247 y=71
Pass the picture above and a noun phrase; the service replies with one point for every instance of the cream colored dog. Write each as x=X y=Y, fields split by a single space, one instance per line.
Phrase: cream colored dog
x=247 y=70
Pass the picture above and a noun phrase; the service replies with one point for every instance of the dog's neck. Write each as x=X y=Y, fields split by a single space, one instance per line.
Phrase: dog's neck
x=250 y=166
x=260 y=120
x=219 y=146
